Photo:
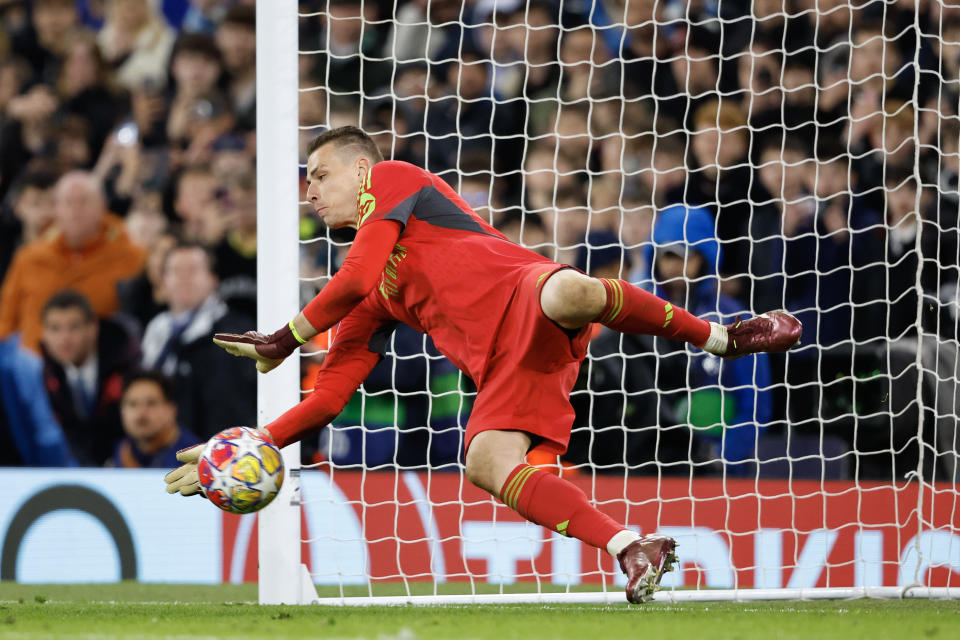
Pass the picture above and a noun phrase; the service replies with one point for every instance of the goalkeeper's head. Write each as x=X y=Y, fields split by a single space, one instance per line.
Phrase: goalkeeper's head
x=338 y=162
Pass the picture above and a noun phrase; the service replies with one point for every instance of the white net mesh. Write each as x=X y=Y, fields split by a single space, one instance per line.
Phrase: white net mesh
x=799 y=155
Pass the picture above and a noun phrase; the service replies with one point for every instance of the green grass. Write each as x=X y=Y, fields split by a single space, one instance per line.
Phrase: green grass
x=131 y=610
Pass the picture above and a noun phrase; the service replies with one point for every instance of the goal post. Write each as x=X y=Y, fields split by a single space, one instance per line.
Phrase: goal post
x=829 y=472
x=280 y=569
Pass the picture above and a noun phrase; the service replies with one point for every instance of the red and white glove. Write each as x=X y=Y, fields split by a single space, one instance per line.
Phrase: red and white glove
x=269 y=351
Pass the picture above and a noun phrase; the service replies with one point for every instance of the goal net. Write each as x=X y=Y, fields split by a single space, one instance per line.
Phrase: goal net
x=798 y=155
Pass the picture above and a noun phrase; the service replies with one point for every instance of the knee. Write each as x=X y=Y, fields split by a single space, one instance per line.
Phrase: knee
x=476 y=472
x=572 y=299
x=492 y=456
x=479 y=467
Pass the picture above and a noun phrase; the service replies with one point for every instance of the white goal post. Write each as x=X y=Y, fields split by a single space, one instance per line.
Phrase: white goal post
x=809 y=512
x=281 y=579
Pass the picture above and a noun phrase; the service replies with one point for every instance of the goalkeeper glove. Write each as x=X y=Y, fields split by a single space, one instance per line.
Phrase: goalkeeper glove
x=184 y=478
x=268 y=351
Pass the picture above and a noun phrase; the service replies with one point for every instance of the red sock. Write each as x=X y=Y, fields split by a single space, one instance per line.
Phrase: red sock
x=554 y=503
x=630 y=309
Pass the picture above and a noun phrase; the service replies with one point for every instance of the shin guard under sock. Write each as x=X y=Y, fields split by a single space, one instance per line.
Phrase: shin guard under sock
x=630 y=309
x=558 y=505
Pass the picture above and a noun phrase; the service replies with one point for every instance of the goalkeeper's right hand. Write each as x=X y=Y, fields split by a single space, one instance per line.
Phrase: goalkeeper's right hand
x=184 y=478
x=268 y=351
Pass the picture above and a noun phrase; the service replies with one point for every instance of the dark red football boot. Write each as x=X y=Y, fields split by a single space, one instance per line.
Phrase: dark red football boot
x=644 y=562
x=771 y=332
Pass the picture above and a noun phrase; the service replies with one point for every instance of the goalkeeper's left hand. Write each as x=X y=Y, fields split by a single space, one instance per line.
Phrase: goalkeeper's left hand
x=184 y=478
x=268 y=351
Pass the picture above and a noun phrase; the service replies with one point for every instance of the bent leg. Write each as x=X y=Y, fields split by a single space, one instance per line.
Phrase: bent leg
x=495 y=463
x=572 y=299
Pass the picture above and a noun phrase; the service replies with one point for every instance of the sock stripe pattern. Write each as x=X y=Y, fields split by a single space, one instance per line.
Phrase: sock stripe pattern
x=614 y=301
x=558 y=505
x=512 y=491
x=630 y=309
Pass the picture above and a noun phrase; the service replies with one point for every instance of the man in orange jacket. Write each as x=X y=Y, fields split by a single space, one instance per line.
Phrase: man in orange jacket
x=87 y=250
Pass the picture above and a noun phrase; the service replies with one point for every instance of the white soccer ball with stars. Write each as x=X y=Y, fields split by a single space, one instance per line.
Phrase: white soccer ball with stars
x=240 y=470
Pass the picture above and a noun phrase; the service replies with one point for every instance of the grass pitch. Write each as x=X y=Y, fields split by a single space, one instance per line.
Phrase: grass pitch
x=152 y=612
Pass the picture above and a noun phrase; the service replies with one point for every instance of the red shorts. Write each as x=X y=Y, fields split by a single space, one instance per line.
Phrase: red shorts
x=531 y=370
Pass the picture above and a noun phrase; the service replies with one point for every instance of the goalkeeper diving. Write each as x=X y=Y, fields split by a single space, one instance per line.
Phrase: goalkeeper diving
x=514 y=321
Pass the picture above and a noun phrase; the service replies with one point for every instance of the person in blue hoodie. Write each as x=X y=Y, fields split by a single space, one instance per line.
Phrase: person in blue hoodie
x=726 y=403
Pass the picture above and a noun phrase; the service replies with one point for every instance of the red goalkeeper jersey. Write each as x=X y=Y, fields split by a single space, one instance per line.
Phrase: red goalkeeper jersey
x=437 y=267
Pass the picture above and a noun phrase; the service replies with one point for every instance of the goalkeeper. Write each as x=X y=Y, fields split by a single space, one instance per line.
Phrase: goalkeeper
x=515 y=322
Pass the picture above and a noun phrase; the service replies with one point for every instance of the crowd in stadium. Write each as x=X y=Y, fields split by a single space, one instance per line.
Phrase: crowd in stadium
x=128 y=228
x=792 y=154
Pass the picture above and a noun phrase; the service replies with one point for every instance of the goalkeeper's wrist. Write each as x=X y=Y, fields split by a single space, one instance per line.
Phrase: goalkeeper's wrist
x=295 y=333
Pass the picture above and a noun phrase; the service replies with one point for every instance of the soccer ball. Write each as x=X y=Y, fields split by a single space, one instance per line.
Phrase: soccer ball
x=240 y=471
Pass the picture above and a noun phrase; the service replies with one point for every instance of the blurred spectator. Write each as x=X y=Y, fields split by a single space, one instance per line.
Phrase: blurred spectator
x=723 y=182
x=469 y=121
x=152 y=435
x=236 y=39
x=88 y=251
x=236 y=254
x=603 y=256
x=695 y=67
x=568 y=133
x=535 y=58
x=84 y=362
x=30 y=214
x=42 y=43
x=145 y=221
x=143 y=297
x=635 y=235
x=71 y=149
x=851 y=242
x=879 y=138
x=232 y=154
x=136 y=41
x=120 y=166
x=14 y=73
x=587 y=72
x=27 y=132
x=85 y=89
x=876 y=60
x=726 y=403
x=29 y=431
x=666 y=174
x=547 y=173
x=759 y=73
x=146 y=121
x=195 y=205
x=199 y=112
x=933 y=254
x=354 y=38
x=616 y=423
x=646 y=50
x=425 y=31
x=178 y=343
x=411 y=86
x=783 y=216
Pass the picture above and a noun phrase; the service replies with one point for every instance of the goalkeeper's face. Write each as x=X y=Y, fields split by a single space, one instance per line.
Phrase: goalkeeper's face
x=334 y=178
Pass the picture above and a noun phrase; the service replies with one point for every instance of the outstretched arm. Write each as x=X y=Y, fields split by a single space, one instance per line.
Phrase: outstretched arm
x=351 y=284
x=358 y=347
